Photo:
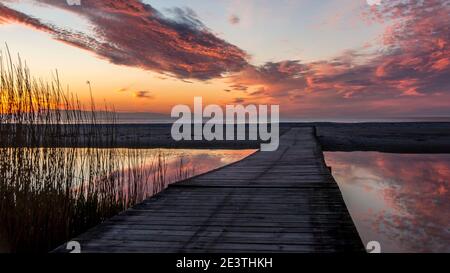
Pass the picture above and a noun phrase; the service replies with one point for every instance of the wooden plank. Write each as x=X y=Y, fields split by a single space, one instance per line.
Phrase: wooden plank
x=281 y=201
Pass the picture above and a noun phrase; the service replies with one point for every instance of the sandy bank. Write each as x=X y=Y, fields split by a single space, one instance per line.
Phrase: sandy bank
x=386 y=137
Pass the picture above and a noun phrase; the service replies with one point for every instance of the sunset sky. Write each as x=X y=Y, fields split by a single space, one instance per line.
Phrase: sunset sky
x=316 y=59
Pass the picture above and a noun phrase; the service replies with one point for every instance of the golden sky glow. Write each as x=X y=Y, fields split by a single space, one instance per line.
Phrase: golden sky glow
x=317 y=59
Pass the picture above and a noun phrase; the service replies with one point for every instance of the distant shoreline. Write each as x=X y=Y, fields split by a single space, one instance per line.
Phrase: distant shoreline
x=395 y=137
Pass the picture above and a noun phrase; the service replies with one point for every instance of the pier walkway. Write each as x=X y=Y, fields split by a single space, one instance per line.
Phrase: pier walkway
x=282 y=201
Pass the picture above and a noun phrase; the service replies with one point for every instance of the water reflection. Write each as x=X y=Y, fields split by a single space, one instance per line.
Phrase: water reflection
x=402 y=201
x=185 y=163
x=142 y=173
x=67 y=191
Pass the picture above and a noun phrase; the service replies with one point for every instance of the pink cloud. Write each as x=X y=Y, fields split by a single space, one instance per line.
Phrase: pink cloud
x=135 y=34
x=414 y=61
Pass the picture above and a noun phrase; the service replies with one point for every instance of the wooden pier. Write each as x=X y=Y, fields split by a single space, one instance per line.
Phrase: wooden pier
x=283 y=201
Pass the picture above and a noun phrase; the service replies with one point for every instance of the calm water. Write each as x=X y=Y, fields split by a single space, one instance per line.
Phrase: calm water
x=190 y=162
x=401 y=201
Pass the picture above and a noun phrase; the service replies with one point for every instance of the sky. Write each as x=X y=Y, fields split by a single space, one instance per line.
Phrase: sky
x=325 y=59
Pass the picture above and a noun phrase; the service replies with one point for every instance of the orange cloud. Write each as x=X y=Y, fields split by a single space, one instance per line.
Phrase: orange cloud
x=143 y=95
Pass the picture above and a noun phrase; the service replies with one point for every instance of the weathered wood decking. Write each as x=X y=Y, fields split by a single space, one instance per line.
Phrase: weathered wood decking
x=283 y=201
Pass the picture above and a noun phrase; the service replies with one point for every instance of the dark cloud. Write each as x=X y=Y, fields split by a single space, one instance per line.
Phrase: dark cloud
x=238 y=87
x=143 y=95
x=234 y=19
x=278 y=79
x=123 y=89
x=260 y=92
x=239 y=100
x=8 y=15
x=135 y=34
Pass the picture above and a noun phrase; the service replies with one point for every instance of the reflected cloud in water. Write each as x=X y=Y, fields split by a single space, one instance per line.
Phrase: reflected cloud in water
x=176 y=164
x=196 y=162
x=400 y=200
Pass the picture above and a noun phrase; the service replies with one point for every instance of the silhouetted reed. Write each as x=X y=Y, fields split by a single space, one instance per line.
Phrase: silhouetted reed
x=49 y=194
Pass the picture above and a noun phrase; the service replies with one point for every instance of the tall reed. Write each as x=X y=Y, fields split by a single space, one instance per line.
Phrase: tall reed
x=49 y=194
